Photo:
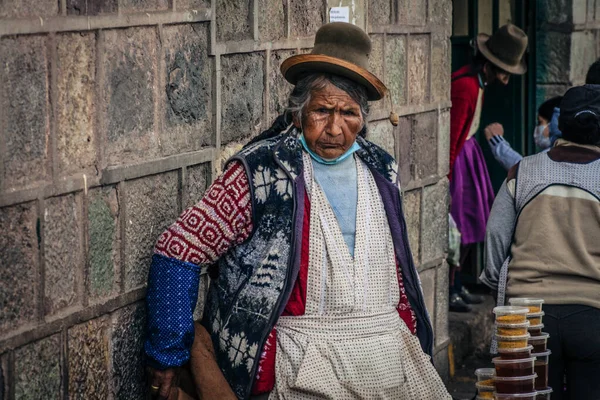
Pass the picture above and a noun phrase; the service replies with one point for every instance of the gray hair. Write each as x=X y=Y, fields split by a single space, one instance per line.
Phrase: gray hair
x=300 y=96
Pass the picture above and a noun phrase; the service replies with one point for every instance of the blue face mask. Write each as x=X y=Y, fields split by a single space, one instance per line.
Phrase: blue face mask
x=322 y=160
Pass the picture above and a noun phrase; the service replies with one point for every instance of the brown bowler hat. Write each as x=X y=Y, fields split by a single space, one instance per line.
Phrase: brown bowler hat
x=505 y=48
x=340 y=49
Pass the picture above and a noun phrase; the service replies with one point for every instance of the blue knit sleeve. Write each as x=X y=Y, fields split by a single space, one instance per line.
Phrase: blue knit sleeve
x=170 y=299
x=503 y=153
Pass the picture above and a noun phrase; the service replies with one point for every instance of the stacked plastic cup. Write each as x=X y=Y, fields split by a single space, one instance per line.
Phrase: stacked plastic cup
x=538 y=340
x=485 y=383
x=515 y=365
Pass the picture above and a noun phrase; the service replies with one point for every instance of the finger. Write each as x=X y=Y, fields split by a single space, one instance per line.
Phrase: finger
x=165 y=388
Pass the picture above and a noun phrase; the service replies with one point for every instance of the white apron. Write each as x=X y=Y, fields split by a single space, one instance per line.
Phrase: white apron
x=351 y=343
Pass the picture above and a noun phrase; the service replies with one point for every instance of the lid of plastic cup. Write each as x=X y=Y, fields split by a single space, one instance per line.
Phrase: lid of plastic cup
x=485 y=372
x=535 y=314
x=543 y=354
x=548 y=390
x=478 y=385
x=517 y=350
x=514 y=395
x=544 y=335
x=498 y=360
x=538 y=326
x=518 y=301
x=514 y=378
x=506 y=310
x=513 y=338
x=514 y=326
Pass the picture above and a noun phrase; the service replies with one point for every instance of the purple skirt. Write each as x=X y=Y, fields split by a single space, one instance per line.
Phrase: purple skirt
x=471 y=193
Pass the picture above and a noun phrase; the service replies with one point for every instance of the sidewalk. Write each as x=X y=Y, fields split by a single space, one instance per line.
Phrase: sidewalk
x=470 y=335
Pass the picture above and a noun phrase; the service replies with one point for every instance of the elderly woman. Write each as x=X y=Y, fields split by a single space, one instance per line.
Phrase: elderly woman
x=314 y=293
x=543 y=241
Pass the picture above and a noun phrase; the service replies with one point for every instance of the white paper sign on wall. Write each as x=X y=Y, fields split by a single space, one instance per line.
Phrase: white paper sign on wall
x=339 y=14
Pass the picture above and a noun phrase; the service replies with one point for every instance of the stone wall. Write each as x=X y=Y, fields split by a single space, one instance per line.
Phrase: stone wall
x=568 y=42
x=115 y=115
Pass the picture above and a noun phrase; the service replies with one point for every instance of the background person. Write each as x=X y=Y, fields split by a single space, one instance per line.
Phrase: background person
x=543 y=242
x=471 y=191
x=501 y=149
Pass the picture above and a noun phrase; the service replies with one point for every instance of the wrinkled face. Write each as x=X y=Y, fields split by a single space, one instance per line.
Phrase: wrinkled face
x=330 y=122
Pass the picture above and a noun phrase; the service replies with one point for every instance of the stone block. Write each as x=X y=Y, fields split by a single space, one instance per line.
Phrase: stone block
x=582 y=55
x=441 y=362
x=62 y=252
x=96 y=7
x=234 y=20
x=440 y=12
x=443 y=144
x=28 y=8
x=192 y=4
x=403 y=133
x=188 y=76
x=25 y=105
x=88 y=360
x=412 y=214
x=395 y=68
x=19 y=272
x=554 y=51
x=440 y=68
x=75 y=132
x=434 y=231
x=412 y=12
x=597 y=12
x=132 y=6
x=198 y=179
x=242 y=87
x=152 y=204
x=279 y=88
x=306 y=17
x=418 y=69
x=579 y=11
x=380 y=12
x=104 y=241
x=382 y=134
x=376 y=58
x=37 y=370
x=128 y=95
x=545 y=92
x=428 y=284
x=271 y=20
x=591 y=9
x=425 y=144
x=441 y=304
x=127 y=340
x=556 y=12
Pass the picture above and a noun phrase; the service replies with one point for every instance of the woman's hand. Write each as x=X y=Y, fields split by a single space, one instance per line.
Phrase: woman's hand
x=162 y=382
x=494 y=129
x=209 y=380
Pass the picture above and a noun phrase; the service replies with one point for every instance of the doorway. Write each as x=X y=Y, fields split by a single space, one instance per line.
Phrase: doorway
x=514 y=105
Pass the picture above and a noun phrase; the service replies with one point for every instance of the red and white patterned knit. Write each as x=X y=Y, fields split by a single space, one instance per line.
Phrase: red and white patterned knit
x=223 y=219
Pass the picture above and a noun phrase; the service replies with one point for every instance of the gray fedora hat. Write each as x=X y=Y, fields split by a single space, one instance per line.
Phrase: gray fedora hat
x=505 y=48
x=341 y=49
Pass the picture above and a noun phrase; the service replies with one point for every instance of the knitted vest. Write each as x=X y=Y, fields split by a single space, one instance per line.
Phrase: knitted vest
x=255 y=279
x=534 y=175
